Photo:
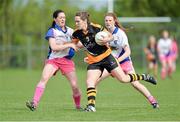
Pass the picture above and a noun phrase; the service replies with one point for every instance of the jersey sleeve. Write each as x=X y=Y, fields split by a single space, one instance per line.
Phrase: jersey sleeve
x=70 y=32
x=120 y=40
x=124 y=39
x=75 y=38
x=49 y=34
x=74 y=35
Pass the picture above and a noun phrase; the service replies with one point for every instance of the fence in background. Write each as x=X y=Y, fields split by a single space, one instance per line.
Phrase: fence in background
x=31 y=56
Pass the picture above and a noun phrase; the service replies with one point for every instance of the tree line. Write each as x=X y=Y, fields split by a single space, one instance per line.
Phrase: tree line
x=23 y=20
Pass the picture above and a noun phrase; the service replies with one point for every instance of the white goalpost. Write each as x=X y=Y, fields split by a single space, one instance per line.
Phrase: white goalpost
x=144 y=19
x=138 y=20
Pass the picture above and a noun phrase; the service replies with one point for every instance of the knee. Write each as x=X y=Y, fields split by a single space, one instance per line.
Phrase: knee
x=75 y=87
x=76 y=90
x=73 y=84
x=43 y=81
x=124 y=79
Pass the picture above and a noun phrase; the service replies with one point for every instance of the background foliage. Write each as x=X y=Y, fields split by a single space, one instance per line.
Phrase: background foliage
x=24 y=23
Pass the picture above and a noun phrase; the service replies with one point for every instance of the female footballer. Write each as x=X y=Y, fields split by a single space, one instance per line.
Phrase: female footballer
x=99 y=58
x=121 y=50
x=61 y=50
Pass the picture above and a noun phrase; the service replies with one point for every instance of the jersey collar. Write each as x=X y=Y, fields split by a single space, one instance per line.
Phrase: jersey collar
x=115 y=30
x=60 y=29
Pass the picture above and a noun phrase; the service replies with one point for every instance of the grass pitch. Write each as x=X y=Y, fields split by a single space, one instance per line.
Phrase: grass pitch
x=115 y=101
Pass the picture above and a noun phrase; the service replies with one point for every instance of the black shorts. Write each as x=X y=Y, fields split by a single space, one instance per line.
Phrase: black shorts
x=154 y=61
x=109 y=63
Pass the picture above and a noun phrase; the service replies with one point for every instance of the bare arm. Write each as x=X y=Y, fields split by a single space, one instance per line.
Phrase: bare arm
x=126 y=53
x=79 y=45
x=58 y=47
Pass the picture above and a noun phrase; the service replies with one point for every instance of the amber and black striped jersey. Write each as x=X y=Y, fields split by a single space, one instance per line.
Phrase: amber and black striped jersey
x=95 y=52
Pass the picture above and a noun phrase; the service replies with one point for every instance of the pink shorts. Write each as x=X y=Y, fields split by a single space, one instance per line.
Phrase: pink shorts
x=173 y=57
x=127 y=66
x=63 y=64
x=165 y=58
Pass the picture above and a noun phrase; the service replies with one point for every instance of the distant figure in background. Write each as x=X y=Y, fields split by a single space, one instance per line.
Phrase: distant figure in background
x=174 y=53
x=164 y=51
x=151 y=55
x=61 y=50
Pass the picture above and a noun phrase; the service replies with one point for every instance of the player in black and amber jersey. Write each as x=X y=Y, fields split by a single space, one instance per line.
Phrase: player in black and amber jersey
x=95 y=52
x=99 y=57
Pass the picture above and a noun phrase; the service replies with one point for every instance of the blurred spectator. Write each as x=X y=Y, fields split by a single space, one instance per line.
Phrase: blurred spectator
x=164 y=51
x=151 y=55
x=174 y=53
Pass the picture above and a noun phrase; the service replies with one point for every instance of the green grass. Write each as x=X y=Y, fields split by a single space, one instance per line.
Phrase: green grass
x=115 y=101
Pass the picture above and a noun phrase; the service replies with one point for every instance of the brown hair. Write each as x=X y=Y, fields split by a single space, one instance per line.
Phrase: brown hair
x=84 y=16
x=117 y=23
x=55 y=15
x=149 y=41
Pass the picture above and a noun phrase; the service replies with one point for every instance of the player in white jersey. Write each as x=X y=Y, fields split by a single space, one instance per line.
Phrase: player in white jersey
x=61 y=50
x=121 y=50
x=164 y=51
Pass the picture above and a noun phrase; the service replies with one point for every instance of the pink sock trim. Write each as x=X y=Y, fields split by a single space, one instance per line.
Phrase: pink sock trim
x=163 y=74
x=41 y=84
x=38 y=93
x=77 y=101
x=152 y=100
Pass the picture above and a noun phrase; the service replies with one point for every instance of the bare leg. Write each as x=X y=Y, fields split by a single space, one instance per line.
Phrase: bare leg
x=75 y=89
x=47 y=73
x=163 y=69
x=143 y=90
x=120 y=75
x=155 y=70
x=170 y=67
x=104 y=75
x=92 y=77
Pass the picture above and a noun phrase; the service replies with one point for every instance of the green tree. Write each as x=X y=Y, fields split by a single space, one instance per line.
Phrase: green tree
x=142 y=8
x=6 y=29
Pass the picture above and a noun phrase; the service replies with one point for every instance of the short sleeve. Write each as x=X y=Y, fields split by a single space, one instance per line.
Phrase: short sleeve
x=49 y=34
x=120 y=40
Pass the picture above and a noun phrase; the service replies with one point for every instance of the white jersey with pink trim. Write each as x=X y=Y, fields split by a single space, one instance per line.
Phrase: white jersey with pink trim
x=119 y=42
x=164 y=46
x=61 y=37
